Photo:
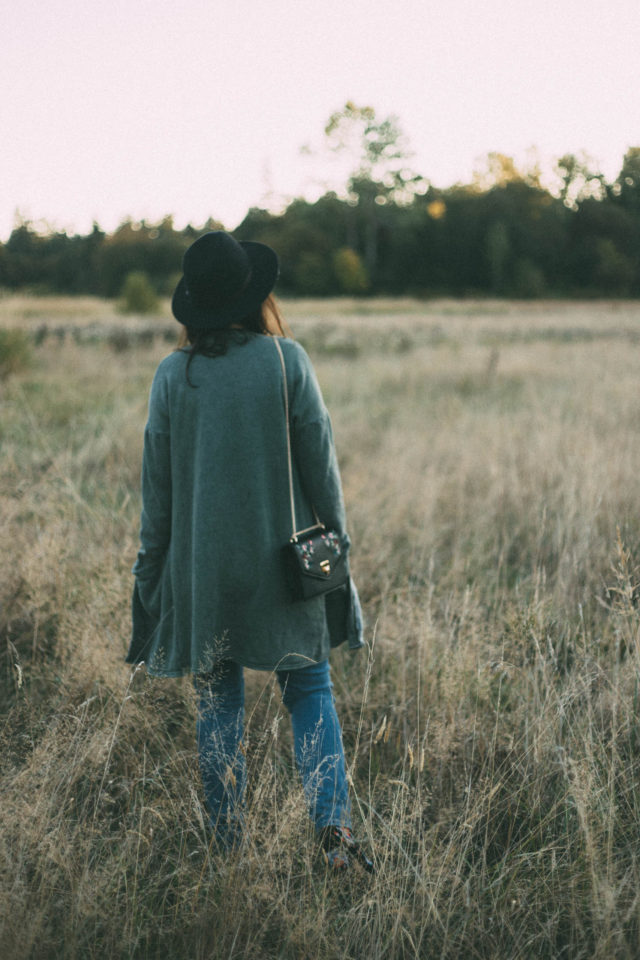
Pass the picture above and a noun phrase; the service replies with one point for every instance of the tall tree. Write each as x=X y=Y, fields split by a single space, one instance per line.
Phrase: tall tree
x=627 y=184
x=380 y=174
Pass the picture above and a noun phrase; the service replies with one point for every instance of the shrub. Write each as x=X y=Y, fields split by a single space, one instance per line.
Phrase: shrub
x=119 y=340
x=138 y=294
x=312 y=274
x=350 y=271
x=15 y=352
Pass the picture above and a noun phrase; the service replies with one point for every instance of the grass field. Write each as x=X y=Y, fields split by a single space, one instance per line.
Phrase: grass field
x=491 y=465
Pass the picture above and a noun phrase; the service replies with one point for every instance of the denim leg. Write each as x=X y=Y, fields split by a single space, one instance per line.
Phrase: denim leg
x=219 y=734
x=307 y=695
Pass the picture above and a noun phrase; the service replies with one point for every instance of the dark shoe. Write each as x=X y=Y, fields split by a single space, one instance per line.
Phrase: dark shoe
x=338 y=846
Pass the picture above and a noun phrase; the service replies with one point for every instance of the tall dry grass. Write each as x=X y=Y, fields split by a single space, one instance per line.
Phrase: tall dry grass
x=492 y=474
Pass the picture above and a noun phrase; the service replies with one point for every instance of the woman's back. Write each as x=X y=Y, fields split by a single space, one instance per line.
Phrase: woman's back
x=215 y=468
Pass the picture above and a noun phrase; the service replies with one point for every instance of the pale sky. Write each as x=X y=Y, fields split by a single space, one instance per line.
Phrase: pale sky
x=199 y=108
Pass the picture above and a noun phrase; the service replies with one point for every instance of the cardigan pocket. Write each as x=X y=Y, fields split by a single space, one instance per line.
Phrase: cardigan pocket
x=149 y=585
x=149 y=573
x=150 y=593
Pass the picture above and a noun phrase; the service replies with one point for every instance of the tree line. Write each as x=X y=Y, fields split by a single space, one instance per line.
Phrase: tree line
x=387 y=232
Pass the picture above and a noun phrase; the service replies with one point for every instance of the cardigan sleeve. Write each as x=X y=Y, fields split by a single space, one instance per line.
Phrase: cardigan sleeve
x=313 y=446
x=155 y=524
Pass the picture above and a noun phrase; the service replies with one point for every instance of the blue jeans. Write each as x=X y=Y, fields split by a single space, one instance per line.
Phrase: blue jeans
x=307 y=695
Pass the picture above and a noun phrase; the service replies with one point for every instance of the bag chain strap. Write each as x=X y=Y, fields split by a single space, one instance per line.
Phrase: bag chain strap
x=294 y=534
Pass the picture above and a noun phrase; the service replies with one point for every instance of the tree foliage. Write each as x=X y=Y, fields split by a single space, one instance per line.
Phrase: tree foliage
x=387 y=232
x=379 y=154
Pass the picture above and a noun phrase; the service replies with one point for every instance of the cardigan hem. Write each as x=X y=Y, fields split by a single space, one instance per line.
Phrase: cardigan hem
x=242 y=662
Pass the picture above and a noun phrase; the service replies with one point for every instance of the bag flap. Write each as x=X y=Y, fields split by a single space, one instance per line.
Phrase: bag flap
x=320 y=554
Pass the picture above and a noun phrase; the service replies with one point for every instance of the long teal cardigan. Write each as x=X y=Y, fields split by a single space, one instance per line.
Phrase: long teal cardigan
x=210 y=578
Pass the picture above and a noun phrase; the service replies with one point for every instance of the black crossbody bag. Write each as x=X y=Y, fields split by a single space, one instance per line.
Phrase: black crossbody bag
x=316 y=557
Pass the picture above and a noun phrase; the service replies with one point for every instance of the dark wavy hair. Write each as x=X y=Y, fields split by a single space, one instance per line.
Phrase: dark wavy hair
x=267 y=319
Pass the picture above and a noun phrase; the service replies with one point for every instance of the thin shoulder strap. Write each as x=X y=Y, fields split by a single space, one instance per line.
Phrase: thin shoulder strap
x=294 y=533
x=286 y=416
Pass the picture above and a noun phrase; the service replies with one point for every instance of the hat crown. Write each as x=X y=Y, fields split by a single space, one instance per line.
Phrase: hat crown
x=216 y=270
x=223 y=281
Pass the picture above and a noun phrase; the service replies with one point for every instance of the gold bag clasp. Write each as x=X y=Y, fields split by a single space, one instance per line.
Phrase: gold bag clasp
x=325 y=566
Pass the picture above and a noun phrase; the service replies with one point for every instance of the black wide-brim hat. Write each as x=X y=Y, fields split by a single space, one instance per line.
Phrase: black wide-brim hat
x=224 y=281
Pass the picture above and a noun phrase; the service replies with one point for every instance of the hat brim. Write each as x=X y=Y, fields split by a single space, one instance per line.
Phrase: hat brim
x=264 y=273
